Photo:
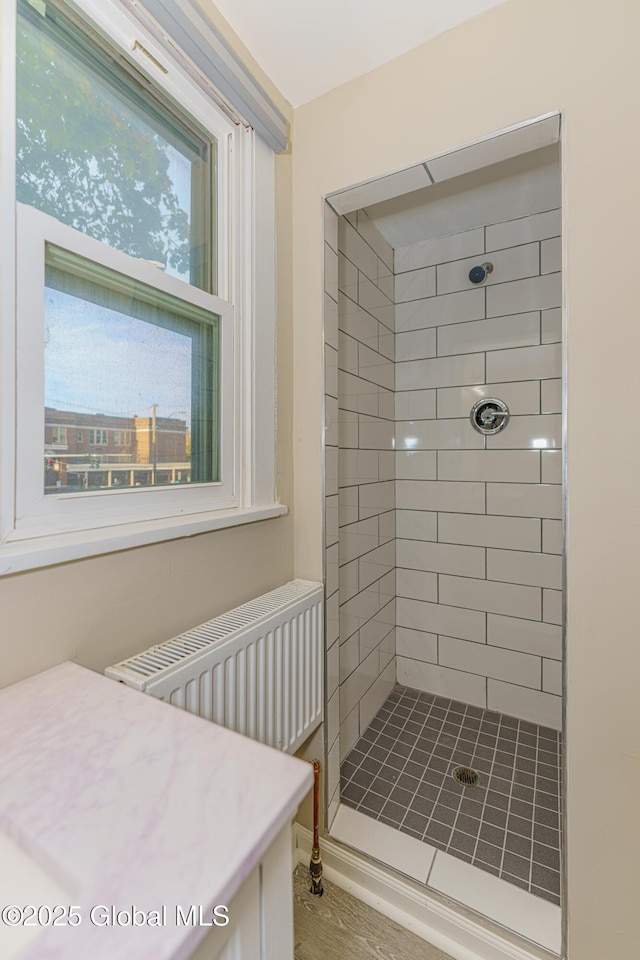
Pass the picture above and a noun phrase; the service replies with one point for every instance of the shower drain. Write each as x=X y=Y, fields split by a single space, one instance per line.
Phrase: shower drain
x=466 y=776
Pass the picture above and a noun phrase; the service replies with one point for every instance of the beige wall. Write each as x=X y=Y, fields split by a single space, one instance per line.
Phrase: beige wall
x=520 y=60
x=100 y=610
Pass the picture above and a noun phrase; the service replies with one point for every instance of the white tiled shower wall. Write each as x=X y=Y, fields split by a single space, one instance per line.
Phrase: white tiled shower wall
x=366 y=474
x=479 y=520
x=473 y=579
x=360 y=505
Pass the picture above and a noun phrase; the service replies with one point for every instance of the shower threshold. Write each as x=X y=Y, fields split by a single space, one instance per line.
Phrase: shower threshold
x=509 y=824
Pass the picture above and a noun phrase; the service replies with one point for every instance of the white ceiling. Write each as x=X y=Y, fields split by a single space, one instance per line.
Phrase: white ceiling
x=308 y=47
x=503 y=191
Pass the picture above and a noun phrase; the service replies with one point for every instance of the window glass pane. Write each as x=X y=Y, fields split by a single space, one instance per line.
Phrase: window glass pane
x=131 y=382
x=102 y=153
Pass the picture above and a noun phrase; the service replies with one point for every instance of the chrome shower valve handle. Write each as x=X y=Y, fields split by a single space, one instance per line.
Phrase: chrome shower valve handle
x=489 y=416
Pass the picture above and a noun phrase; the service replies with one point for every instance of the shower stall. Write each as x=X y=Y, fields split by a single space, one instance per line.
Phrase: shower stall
x=444 y=525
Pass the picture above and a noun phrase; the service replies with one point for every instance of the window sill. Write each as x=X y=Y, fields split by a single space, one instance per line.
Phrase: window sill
x=18 y=556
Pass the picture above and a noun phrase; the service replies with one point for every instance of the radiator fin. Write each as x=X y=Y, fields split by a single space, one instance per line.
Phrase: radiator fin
x=257 y=669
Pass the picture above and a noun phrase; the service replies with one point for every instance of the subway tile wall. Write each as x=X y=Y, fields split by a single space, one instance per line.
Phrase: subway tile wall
x=366 y=474
x=479 y=520
x=443 y=559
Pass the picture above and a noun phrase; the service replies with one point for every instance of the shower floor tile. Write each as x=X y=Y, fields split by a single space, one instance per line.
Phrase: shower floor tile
x=399 y=772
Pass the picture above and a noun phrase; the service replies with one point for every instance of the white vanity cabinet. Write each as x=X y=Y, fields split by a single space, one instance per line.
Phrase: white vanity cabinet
x=138 y=806
x=260 y=914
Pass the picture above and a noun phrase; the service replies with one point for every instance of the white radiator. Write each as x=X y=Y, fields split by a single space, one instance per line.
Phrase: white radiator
x=257 y=669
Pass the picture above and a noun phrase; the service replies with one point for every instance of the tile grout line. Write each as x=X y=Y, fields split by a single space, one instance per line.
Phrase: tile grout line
x=486 y=796
x=402 y=769
x=533 y=809
x=419 y=736
x=436 y=801
x=430 y=714
x=453 y=828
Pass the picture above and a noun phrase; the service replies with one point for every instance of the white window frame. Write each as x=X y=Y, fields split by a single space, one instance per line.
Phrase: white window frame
x=36 y=530
x=40 y=514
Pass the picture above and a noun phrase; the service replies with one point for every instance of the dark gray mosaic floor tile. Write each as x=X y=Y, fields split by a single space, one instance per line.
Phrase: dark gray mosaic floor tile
x=471 y=807
x=396 y=761
x=438 y=832
x=413 y=727
x=545 y=878
x=348 y=769
x=419 y=756
x=381 y=786
x=403 y=797
x=520 y=809
x=546 y=856
x=521 y=846
x=400 y=772
x=516 y=866
x=546 y=835
x=520 y=792
x=416 y=821
x=394 y=811
x=384 y=740
x=353 y=794
x=499 y=800
x=422 y=805
x=516 y=881
x=387 y=773
x=489 y=854
x=439 y=764
x=549 y=818
x=407 y=782
x=520 y=825
x=449 y=800
x=446 y=815
x=483 y=767
x=495 y=816
x=462 y=843
x=546 y=800
x=468 y=825
x=368 y=768
x=546 y=894
x=372 y=802
x=428 y=790
x=547 y=770
x=492 y=834
x=413 y=769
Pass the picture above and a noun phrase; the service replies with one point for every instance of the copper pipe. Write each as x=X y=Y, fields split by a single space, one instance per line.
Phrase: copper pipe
x=315 y=865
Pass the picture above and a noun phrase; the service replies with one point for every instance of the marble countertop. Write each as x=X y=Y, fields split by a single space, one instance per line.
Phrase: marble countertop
x=127 y=801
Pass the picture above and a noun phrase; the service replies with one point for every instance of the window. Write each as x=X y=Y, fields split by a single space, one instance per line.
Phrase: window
x=111 y=345
x=136 y=228
x=106 y=156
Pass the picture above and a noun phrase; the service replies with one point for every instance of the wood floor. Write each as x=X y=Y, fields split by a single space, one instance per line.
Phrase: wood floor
x=336 y=926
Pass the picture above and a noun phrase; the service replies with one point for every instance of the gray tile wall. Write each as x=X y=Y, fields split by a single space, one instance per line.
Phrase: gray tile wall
x=479 y=520
x=366 y=471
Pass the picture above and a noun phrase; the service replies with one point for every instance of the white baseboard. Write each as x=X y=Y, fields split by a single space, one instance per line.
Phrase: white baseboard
x=442 y=924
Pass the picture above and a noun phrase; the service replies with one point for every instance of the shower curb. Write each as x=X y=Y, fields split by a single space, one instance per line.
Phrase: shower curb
x=440 y=922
